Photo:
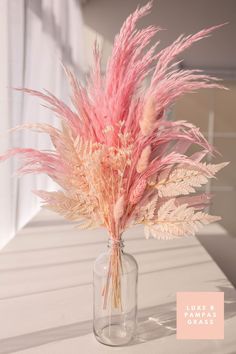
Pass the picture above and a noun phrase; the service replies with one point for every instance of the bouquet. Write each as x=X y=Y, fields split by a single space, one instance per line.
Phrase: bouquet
x=117 y=160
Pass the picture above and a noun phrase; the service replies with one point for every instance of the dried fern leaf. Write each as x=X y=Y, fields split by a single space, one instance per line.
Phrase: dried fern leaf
x=175 y=221
x=147 y=211
x=183 y=181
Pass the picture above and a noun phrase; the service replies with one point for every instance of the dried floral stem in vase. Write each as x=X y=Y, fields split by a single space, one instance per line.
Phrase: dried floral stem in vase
x=117 y=160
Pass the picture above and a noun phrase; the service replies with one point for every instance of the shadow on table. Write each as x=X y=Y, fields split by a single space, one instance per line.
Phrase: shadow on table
x=229 y=297
x=156 y=322
x=153 y=322
x=160 y=321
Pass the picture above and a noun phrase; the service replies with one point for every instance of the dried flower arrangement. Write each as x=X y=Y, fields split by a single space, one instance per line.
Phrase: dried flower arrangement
x=117 y=159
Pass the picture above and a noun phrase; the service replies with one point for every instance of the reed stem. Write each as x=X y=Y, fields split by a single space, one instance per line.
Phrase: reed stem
x=113 y=279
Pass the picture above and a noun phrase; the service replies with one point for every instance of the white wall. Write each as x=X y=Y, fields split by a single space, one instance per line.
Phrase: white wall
x=6 y=214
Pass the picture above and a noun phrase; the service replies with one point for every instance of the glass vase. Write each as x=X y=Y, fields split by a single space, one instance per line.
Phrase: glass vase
x=115 y=276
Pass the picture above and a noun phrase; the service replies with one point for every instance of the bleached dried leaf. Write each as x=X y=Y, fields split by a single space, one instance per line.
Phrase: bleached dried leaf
x=89 y=224
x=74 y=207
x=147 y=211
x=175 y=221
x=214 y=168
x=183 y=181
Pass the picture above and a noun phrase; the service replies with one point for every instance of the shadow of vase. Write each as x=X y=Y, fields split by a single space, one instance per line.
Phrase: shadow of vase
x=155 y=322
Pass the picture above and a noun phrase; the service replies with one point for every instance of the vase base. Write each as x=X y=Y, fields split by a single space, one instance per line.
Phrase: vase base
x=115 y=335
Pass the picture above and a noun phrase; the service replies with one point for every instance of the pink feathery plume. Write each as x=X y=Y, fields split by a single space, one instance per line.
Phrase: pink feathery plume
x=127 y=66
x=35 y=161
x=57 y=106
x=168 y=54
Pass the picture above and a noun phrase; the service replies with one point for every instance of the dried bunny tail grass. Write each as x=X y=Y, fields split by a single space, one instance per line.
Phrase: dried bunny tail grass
x=149 y=116
x=144 y=159
x=119 y=208
x=138 y=191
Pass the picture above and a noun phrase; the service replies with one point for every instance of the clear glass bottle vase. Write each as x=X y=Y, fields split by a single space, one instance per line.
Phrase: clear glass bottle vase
x=115 y=277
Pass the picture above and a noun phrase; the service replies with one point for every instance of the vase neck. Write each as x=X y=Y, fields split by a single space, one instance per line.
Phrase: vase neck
x=115 y=243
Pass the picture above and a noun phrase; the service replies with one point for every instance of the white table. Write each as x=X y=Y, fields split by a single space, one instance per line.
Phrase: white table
x=46 y=291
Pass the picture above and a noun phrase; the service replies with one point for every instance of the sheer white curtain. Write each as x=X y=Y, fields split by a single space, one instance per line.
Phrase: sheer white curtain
x=36 y=36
